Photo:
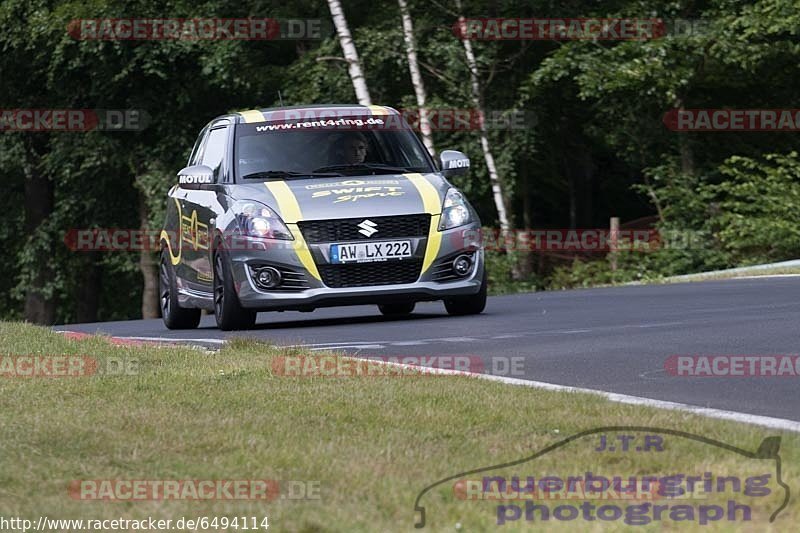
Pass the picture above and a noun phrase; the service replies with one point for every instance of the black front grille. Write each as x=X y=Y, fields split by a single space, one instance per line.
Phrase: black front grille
x=346 y=229
x=364 y=274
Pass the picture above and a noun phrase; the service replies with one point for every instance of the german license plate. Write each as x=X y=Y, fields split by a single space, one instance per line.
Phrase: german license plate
x=367 y=252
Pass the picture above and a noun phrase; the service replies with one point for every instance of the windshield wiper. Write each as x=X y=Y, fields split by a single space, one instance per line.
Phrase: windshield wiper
x=363 y=166
x=283 y=174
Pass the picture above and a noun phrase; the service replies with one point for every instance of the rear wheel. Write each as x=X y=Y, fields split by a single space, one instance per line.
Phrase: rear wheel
x=228 y=312
x=473 y=304
x=397 y=309
x=175 y=316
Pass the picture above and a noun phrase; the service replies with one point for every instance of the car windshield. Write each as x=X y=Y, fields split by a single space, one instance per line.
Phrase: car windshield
x=297 y=150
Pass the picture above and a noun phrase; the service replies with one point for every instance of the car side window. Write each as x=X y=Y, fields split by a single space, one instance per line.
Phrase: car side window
x=197 y=151
x=214 y=149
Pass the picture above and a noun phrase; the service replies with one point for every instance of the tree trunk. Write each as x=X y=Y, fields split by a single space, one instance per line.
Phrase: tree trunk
x=580 y=170
x=687 y=156
x=526 y=264
x=350 y=53
x=477 y=99
x=573 y=198
x=654 y=197
x=416 y=76
x=587 y=186
x=89 y=288
x=39 y=307
x=148 y=267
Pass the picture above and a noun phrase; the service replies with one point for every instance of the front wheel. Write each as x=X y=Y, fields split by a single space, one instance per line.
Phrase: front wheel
x=174 y=316
x=228 y=312
x=473 y=304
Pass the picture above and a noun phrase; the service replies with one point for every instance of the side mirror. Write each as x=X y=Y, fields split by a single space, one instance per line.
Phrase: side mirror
x=453 y=163
x=195 y=176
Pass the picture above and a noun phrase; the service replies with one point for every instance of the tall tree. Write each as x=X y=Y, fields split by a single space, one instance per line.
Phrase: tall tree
x=40 y=306
x=416 y=76
x=350 y=53
x=477 y=100
x=26 y=46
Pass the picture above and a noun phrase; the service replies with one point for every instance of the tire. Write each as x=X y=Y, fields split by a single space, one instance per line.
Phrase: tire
x=401 y=309
x=228 y=312
x=174 y=316
x=474 y=304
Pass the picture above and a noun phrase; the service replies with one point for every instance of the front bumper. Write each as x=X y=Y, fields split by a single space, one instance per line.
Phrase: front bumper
x=282 y=255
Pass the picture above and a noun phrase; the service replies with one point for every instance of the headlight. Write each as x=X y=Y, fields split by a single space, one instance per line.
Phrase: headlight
x=257 y=220
x=455 y=210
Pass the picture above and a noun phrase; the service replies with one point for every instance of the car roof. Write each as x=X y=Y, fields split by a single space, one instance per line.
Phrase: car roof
x=307 y=111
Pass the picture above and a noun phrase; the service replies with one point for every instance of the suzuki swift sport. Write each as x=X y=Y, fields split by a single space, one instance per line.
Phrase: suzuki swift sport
x=296 y=208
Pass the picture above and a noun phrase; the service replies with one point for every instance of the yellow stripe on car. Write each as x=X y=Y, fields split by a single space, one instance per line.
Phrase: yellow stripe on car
x=291 y=214
x=378 y=110
x=433 y=206
x=302 y=251
x=287 y=203
x=174 y=259
x=252 y=116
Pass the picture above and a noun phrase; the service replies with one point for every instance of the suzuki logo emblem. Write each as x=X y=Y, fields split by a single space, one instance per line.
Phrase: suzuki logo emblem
x=368 y=228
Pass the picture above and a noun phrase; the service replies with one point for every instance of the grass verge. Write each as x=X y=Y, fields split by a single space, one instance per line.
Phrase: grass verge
x=778 y=271
x=369 y=445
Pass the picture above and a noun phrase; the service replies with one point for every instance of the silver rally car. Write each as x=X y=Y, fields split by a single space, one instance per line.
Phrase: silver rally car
x=304 y=207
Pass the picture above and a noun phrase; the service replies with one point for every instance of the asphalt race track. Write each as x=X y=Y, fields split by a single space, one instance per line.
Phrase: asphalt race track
x=610 y=339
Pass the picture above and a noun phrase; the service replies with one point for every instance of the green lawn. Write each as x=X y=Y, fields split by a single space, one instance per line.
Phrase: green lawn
x=370 y=444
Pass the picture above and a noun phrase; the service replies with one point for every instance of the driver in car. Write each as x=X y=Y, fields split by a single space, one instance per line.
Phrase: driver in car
x=350 y=149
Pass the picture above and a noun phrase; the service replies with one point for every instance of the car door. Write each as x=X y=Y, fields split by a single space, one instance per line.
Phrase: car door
x=204 y=206
x=182 y=196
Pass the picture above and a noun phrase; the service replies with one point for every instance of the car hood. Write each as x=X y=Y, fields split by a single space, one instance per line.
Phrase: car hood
x=348 y=196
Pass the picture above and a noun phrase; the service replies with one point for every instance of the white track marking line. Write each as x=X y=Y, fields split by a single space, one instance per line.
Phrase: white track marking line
x=356 y=346
x=768 y=276
x=155 y=339
x=721 y=414
x=356 y=343
x=658 y=325
x=653 y=375
x=170 y=339
x=438 y=339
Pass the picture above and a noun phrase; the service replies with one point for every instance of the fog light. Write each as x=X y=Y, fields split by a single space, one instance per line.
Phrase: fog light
x=267 y=278
x=462 y=265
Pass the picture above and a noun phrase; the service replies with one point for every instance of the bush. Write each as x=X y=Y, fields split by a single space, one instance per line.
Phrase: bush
x=499 y=269
x=756 y=216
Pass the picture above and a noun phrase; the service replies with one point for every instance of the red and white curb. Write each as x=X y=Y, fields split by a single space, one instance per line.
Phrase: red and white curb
x=117 y=341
